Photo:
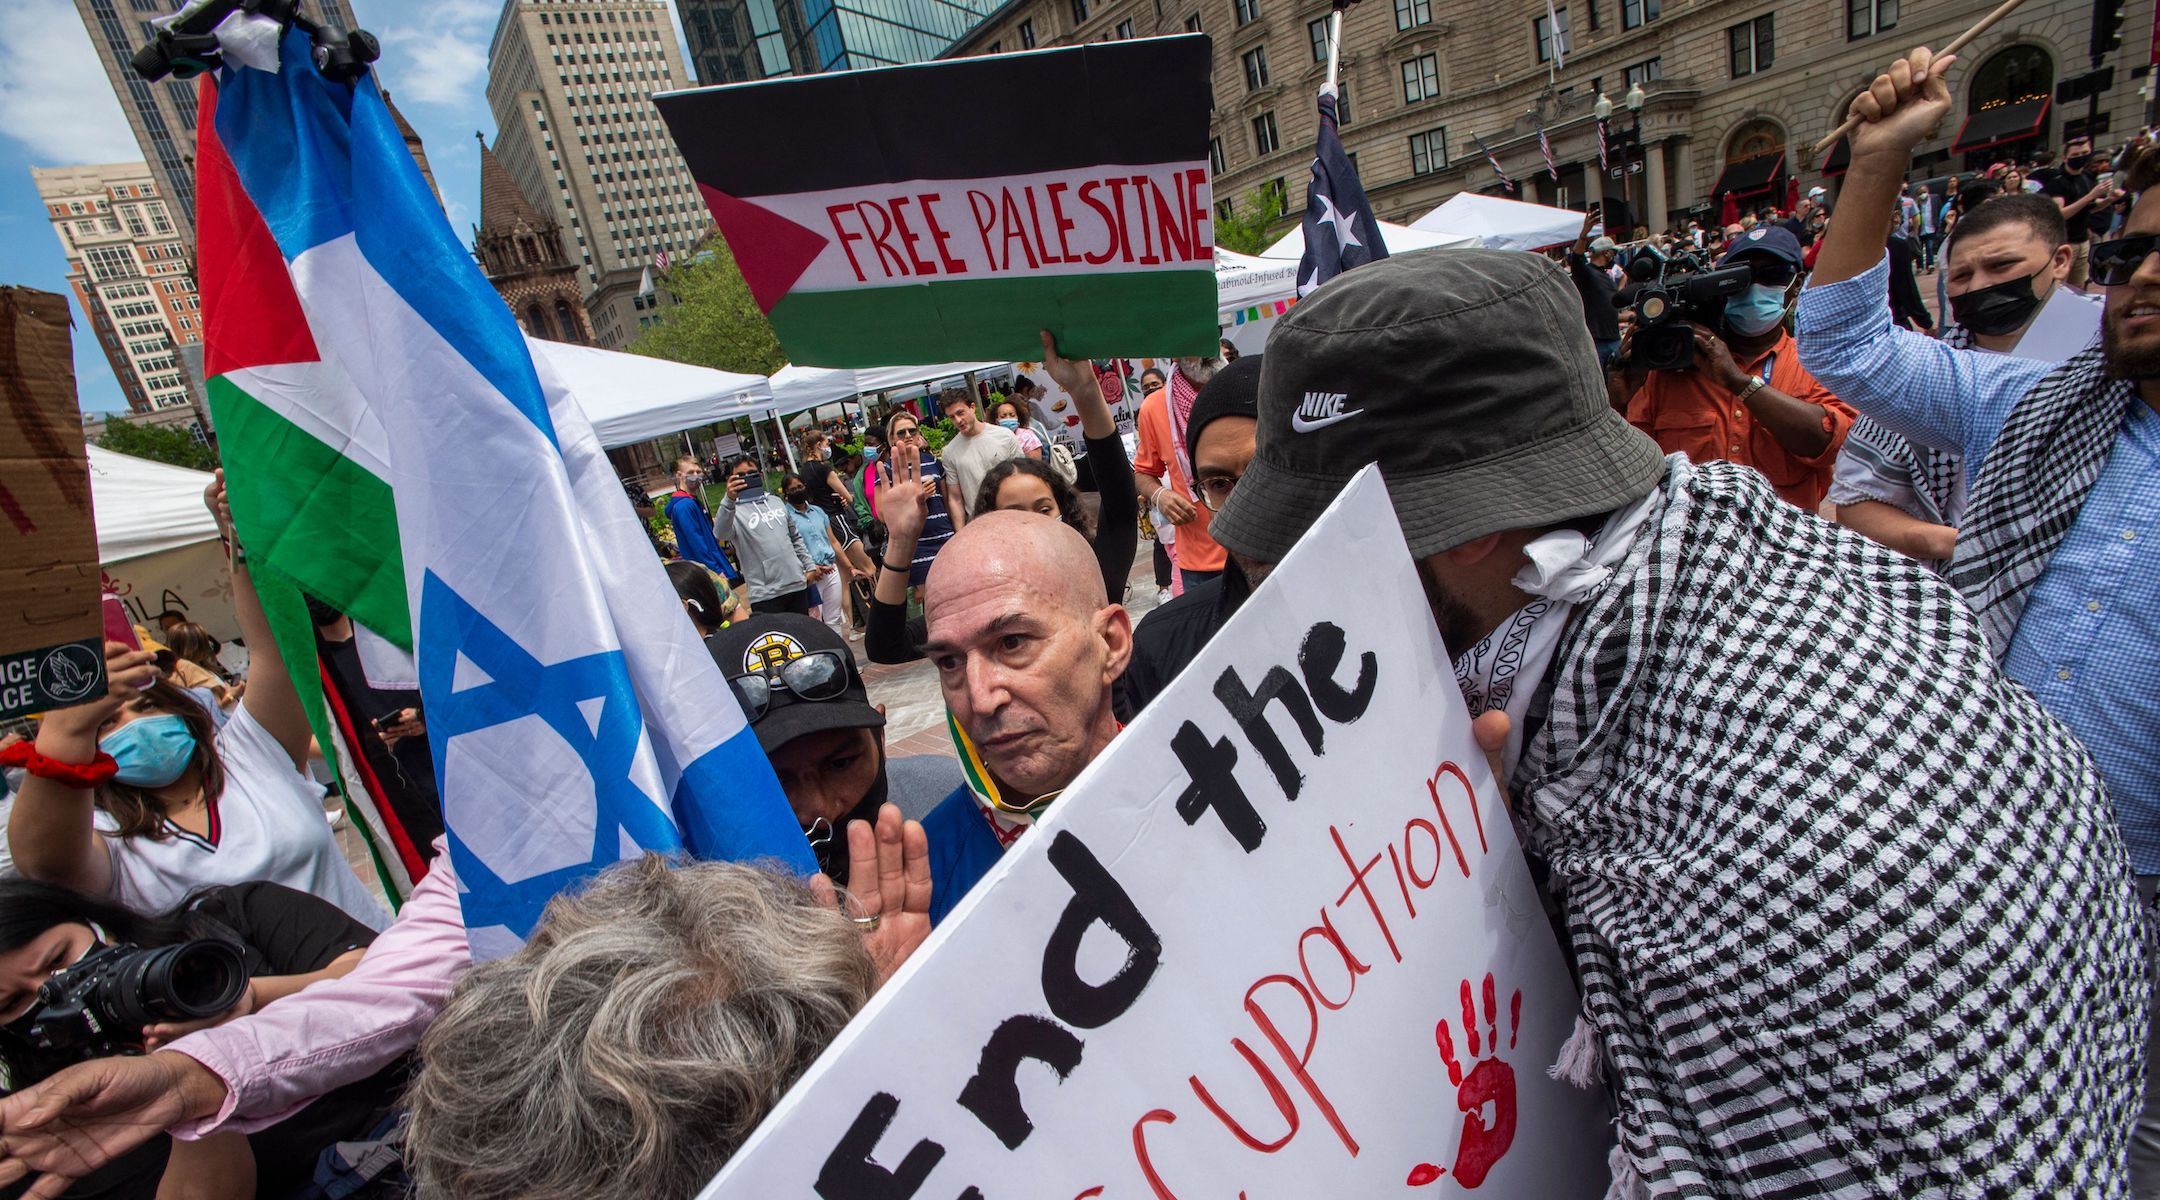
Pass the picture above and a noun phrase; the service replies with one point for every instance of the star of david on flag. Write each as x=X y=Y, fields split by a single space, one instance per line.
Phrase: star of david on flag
x=1340 y=229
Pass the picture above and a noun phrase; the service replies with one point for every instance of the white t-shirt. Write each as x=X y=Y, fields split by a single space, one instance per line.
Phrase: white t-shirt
x=268 y=823
x=968 y=459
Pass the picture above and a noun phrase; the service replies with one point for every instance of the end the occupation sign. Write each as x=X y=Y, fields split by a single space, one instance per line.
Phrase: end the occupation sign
x=950 y=210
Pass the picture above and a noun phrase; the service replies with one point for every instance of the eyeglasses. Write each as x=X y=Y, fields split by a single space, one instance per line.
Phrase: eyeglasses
x=2113 y=263
x=1215 y=490
x=819 y=675
x=907 y=434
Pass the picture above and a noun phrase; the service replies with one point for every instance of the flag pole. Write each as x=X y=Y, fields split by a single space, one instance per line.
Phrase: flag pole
x=1334 y=44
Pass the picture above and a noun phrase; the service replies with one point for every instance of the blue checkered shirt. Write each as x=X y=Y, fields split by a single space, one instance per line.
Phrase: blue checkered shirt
x=2088 y=644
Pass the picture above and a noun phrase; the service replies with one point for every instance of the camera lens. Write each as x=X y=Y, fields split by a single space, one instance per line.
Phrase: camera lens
x=173 y=983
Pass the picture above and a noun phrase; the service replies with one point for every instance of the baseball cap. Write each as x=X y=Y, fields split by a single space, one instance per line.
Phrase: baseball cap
x=764 y=645
x=1773 y=240
x=1603 y=244
x=1817 y=193
x=1468 y=375
x=1234 y=392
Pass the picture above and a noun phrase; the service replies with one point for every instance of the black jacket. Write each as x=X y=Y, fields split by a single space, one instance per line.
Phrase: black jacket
x=1172 y=636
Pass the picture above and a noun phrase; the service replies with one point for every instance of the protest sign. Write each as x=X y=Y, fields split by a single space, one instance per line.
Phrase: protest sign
x=953 y=209
x=51 y=645
x=1278 y=940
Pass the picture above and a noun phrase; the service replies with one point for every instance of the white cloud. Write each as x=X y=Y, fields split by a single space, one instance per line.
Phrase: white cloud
x=55 y=98
x=436 y=53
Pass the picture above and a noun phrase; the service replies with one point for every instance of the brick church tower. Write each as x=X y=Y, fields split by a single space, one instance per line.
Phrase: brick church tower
x=521 y=252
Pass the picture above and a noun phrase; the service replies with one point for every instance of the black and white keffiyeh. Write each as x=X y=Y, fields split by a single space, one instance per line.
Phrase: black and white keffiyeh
x=1849 y=908
x=2038 y=472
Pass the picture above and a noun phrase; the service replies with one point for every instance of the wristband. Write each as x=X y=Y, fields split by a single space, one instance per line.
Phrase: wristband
x=81 y=776
x=888 y=566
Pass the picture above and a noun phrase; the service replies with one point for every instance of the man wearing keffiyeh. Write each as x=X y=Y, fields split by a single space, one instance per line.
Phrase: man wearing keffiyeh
x=2063 y=467
x=1848 y=910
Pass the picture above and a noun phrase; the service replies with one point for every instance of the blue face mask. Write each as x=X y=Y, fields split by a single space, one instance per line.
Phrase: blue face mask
x=150 y=751
x=869 y=453
x=1009 y=422
x=1756 y=310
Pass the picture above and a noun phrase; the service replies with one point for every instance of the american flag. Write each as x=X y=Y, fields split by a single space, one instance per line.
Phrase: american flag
x=660 y=260
x=1505 y=181
x=1544 y=145
x=1340 y=229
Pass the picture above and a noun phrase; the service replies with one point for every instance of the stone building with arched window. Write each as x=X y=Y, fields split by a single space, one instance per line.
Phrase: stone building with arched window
x=521 y=253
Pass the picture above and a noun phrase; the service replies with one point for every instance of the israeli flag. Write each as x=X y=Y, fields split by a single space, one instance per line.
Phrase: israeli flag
x=575 y=716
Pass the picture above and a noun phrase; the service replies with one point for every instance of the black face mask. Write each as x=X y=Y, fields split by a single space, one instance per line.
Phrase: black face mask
x=2076 y=164
x=829 y=844
x=1997 y=308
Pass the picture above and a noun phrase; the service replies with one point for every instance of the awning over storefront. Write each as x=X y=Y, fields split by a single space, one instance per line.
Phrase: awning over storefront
x=2002 y=123
x=1840 y=157
x=1761 y=173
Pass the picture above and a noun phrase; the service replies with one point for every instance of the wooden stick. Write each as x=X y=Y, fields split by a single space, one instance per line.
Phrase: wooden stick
x=1853 y=122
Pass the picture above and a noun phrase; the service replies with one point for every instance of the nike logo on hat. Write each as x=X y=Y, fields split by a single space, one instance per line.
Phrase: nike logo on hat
x=1320 y=410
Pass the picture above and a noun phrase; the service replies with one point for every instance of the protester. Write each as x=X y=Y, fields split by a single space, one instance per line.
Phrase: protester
x=384 y=727
x=1052 y=426
x=1590 y=266
x=1026 y=648
x=814 y=529
x=193 y=646
x=2080 y=196
x=1928 y=236
x=1011 y=416
x=2003 y=267
x=136 y=796
x=1907 y=306
x=2061 y=461
x=778 y=571
x=1164 y=473
x=711 y=603
x=694 y=538
x=1747 y=399
x=1743 y=740
x=1024 y=486
x=943 y=513
x=288 y=940
x=1219 y=437
x=823 y=473
x=803 y=694
x=650 y=1022
x=973 y=449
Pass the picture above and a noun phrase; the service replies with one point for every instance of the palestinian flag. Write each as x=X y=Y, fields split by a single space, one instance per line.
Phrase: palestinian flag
x=950 y=210
x=304 y=470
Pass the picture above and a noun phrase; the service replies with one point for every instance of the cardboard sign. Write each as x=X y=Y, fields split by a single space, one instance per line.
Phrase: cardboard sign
x=1278 y=940
x=950 y=210
x=51 y=630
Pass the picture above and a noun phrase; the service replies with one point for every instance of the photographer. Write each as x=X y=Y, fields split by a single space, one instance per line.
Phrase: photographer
x=64 y=963
x=1746 y=398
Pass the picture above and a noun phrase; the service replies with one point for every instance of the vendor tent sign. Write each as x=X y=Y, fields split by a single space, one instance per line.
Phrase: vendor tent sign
x=1278 y=940
x=953 y=209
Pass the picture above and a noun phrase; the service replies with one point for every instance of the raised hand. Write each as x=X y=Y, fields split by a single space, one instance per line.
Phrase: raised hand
x=94 y=1112
x=889 y=893
x=904 y=500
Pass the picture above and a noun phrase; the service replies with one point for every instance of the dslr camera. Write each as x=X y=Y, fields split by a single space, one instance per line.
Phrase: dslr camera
x=101 y=1005
x=1667 y=294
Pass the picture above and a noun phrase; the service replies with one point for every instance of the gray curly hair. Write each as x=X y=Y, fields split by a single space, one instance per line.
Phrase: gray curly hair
x=634 y=1042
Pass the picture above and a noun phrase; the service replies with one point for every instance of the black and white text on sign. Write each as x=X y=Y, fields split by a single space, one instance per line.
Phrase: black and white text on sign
x=1278 y=941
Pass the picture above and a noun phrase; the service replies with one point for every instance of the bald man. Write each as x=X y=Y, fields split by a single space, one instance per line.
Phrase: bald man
x=1026 y=647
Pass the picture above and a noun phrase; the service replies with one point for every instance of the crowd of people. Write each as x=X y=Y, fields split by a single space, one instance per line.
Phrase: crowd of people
x=1803 y=630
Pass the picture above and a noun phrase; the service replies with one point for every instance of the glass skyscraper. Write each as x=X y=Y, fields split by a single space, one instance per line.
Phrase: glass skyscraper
x=733 y=41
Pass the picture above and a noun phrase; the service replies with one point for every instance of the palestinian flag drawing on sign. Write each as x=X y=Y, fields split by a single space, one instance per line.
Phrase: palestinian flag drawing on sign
x=950 y=210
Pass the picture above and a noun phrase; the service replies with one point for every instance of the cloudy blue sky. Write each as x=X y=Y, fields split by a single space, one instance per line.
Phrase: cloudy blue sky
x=57 y=108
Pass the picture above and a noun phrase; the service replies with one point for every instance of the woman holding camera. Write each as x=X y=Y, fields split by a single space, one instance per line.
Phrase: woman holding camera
x=76 y=972
x=139 y=796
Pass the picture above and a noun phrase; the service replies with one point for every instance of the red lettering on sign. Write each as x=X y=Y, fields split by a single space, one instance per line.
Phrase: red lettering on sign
x=985 y=212
x=1139 y=1146
x=1196 y=212
x=878 y=231
x=1141 y=186
x=1011 y=227
x=1110 y=226
x=1326 y=930
x=1358 y=884
x=832 y=213
x=1170 y=226
x=908 y=238
x=1117 y=202
x=1297 y=1063
x=953 y=266
x=1042 y=244
x=1060 y=222
x=1275 y=1090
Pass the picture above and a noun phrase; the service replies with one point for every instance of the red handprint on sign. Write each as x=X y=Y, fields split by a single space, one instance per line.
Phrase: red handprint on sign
x=1489 y=1081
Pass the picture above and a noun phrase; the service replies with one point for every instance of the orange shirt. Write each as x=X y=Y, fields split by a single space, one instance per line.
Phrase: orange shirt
x=1688 y=413
x=1193 y=549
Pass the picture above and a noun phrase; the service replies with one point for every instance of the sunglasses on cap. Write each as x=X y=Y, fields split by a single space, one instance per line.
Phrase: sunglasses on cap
x=818 y=675
x=2114 y=262
x=1770 y=273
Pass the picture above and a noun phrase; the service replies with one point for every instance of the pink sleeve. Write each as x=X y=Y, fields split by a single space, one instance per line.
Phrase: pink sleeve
x=339 y=1030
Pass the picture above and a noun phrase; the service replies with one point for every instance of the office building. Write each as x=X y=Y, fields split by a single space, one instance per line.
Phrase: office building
x=734 y=41
x=130 y=273
x=1733 y=93
x=162 y=114
x=570 y=83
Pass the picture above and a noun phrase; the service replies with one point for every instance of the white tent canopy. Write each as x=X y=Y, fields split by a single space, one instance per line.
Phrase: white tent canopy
x=798 y=389
x=1242 y=281
x=1399 y=238
x=1501 y=224
x=633 y=398
x=145 y=507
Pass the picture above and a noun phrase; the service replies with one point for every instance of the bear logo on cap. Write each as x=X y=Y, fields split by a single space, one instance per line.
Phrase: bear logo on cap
x=771 y=652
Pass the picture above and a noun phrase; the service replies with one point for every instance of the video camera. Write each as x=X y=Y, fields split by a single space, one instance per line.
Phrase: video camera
x=1669 y=293
x=189 y=45
x=101 y=1005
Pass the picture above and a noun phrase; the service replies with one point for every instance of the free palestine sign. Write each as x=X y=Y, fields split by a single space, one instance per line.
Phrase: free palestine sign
x=1278 y=940
x=950 y=210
